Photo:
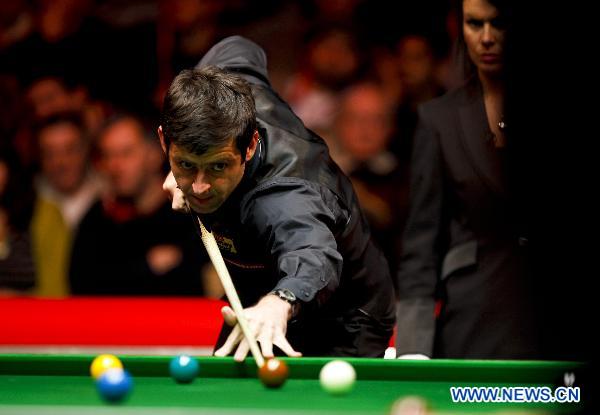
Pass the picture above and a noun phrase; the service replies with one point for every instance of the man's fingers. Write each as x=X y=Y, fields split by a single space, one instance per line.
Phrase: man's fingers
x=266 y=340
x=242 y=351
x=285 y=347
x=175 y=194
x=232 y=340
x=179 y=203
x=229 y=316
x=170 y=183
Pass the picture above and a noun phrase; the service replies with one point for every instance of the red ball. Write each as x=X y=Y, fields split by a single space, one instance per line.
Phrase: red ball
x=273 y=373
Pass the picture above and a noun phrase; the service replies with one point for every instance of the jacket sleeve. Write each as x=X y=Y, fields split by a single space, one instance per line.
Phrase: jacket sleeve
x=419 y=264
x=295 y=224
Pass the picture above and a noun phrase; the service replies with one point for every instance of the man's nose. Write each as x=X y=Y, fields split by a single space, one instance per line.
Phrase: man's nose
x=201 y=184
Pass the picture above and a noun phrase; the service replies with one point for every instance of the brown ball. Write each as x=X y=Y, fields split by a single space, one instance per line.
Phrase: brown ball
x=273 y=373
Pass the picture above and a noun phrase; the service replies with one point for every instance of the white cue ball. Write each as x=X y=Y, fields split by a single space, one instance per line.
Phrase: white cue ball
x=337 y=377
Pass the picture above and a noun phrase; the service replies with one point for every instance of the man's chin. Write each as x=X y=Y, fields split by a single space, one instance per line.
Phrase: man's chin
x=205 y=208
x=203 y=211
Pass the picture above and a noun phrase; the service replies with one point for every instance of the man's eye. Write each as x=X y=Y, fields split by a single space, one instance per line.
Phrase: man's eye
x=219 y=166
x=186 y=165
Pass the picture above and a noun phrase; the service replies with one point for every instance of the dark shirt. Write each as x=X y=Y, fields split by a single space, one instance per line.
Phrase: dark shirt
x=109 y=253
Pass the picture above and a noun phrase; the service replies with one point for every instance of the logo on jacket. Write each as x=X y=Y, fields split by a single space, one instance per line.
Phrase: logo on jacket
x=225 y=244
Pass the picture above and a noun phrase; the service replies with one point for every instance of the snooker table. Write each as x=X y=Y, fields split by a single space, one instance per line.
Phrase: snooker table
x=61 y=384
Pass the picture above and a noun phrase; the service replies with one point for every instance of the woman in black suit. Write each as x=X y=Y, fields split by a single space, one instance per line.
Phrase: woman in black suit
x=465 y=249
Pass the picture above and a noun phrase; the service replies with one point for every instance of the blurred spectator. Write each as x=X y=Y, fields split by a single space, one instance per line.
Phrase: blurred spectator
x=17 y=268
x=333 y=61
x=66 y=177
x=363 y=129
x=191 y=27
x=57 y=43
x=417 y=65
x=384 y=69
x=33 y=240
x=95 y=45
x=16 y=22
x=187 y=29
x=131 y=242
x=271 y=24
x=16 y=26
x=417 y=68
x=50 y=95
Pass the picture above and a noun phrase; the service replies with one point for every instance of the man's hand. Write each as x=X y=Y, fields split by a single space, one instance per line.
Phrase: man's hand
x=267 y=320
x=178 y=202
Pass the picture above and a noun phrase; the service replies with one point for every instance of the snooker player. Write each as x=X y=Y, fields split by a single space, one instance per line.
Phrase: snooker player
x=285 y=218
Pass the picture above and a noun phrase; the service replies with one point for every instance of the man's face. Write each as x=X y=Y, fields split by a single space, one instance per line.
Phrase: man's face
x=208 y=180
x=125 y=158
x=49 y=97
x=62 y=156
x=364 y=125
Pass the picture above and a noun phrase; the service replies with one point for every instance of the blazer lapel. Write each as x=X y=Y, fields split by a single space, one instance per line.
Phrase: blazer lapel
x=476 y=138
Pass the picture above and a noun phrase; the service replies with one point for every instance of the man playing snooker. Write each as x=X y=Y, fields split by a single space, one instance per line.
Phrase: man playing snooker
x=286 y=219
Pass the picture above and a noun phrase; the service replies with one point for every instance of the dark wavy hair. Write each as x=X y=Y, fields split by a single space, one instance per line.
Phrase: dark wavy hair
x=206 y=108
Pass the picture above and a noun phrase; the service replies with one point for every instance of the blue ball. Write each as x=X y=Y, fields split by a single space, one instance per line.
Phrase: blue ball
x=184 y=369
x=114 y=384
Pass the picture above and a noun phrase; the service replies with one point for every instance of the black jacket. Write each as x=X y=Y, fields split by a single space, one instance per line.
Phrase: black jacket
x=294 y=221
x=464 y=243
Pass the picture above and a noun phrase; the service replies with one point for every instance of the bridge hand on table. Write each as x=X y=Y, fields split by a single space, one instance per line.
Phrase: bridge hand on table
x=267 y=320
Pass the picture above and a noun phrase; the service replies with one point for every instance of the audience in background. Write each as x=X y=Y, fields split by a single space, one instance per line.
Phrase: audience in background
x=333 y=62
x=131 y=242
x=78 y=56
x=66 y=177
x=417 y=71
x=33 y=237
x=363 y=130
x=17 y=267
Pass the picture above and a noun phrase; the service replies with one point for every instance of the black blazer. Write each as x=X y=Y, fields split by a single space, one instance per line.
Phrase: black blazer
x=463 y=246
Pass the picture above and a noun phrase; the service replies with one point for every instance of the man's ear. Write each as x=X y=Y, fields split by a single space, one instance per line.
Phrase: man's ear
x=252 y=146
x=162 y=139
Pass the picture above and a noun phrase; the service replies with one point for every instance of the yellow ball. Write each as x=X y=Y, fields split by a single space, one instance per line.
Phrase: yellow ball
x=102 y=363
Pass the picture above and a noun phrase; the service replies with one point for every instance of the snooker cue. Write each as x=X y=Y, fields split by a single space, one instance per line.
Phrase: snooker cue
x=217 y=259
